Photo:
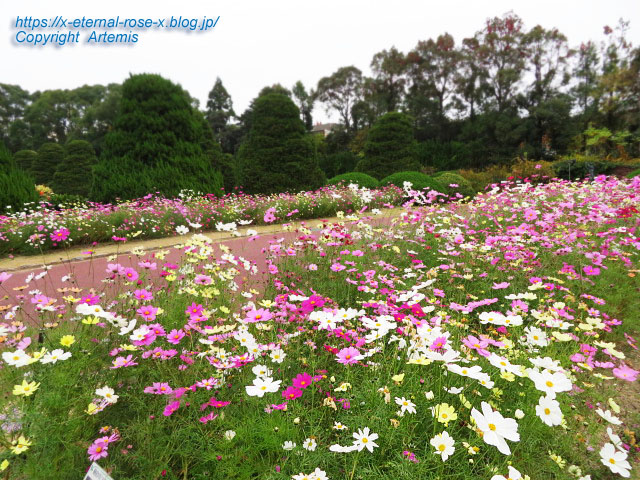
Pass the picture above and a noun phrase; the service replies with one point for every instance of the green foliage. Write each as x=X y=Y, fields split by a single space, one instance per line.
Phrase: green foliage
x=74 y=174
x=443 y=155
x=464 y=188
x=337 y=163
x=580 y=167
x=277 y=156
x=44 y=166
x=360 y=179
x=389 y=147
x=16 y=185
x=419 y=181
x=635 y=173
x=159 y=144
x=25 y=159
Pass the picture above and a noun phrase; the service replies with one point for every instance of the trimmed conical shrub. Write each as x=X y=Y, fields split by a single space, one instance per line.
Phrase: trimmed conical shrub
x=16 y=186
x=158 y=144
x=25 y=159
x=74 y=174
x=50 y=155
x=389 y=147
x=278 y=156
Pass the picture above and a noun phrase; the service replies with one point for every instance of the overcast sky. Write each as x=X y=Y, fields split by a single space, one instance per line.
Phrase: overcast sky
x=259 y=42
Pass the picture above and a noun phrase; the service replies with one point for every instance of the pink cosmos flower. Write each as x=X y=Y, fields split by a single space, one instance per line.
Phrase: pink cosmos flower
x=123 y=362
x=337 y=267
x=349 y=356
x=269 y=215
x=131 y=274
x=438 y=344
x=194 y=310
x=302 y=380
x=589 y=270
x=159 y=389
x=4 y=276
x=213 y=402
x=175 y=336
x=60 y=235
x=207 y=418
x=260 y=315
x=203 y=279
x=474 y=343
x=499 y=286
x=171 y=408
x=148 y=312
x=624 y=372
x=97 y=451
x=143 y=295
x=291 y=393
x=148 y=265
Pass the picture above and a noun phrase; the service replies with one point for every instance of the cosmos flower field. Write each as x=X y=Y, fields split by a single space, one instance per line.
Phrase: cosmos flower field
x=47 y=226
x=491 y=339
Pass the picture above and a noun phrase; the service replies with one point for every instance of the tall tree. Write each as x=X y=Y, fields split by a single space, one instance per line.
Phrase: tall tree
x=13 y=103
x=340 y=91
x=74 y=174
x=501 y=54
x=304 y=101
x=219 y=109
x=389 y=68
x=586 y=73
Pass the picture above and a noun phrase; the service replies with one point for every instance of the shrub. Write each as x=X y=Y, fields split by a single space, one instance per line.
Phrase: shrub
x=579 y=167
x=490 y=175
x=16 y=186
x=338 y=163
x=50 y=155
x=443 y=155
x=74 y=174
x=159 y=143
x=464 y=187
x=360 y=179
x=635 y=173
x=278 y=156
x=389 y=147
x=418 y=180
x=25 y=158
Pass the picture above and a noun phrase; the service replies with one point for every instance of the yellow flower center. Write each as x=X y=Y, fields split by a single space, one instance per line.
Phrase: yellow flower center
x=547 y=411
x=612 y=461
x=492 y=427
x=365 y=440
x=442 y=447
x=549 y=383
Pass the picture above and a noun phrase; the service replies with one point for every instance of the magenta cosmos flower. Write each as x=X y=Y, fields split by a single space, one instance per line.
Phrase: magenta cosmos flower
x=349 y=356
x=98 y=450
x=175 y=336
x=302 y=380
x=624 y=372
x=171 y=408
x=148 y=312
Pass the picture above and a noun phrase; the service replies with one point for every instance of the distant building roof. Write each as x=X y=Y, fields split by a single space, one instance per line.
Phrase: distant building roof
x=324 y=128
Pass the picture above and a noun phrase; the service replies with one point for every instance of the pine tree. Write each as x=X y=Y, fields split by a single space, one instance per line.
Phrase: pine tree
x=158 y=144
x=389 y=147
x=277 y=156
x=45 y=164
x=16 y=185
x=74 y=174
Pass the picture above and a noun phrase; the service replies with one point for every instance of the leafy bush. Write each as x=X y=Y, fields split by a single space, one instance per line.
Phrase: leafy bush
x=389 y=147
x=338 y=163
x=50 y=155
x=418 y=180
x=490 y=175
x=578 y=167
x=464 y=187
x=159 y=143
x=536 y=171
x=360 y=179
x=74 y=174
x=277 y=156
x=65 y=200
x=25 y=158
x=443 y=155
x=635 y=173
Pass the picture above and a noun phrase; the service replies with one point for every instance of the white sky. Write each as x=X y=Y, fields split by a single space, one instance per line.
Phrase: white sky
x=259 y=42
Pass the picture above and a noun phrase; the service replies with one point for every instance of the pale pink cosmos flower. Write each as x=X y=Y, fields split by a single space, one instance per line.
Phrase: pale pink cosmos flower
x=349 y=356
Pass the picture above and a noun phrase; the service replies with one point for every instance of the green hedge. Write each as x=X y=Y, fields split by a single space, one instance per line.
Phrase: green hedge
x=418 y=180
x=464 y=186
x=635 y=173
x=580 y=168
x=360 y=179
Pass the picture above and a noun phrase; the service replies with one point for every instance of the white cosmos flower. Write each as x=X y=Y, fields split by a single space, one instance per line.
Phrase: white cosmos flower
x=496 y=428
x=288 y=445
x=108 y=394
x=363 y=439
x=55 y=355
x=18 y=358
x=309 y=444
x=615 y=460
x=549 y=411
x=182 y=230
x=615 y=439
x=550 y=382
x=261 y=386
x=512 y=475
x=443 y=443
x=608 y=416
x=278 y=355
x=405 y=405
x=261 y=371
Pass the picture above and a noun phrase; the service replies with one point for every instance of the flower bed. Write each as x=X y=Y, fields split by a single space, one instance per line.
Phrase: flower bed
x=487 y=342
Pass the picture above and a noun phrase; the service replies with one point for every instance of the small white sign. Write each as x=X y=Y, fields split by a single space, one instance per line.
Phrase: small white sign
x=96 y=472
